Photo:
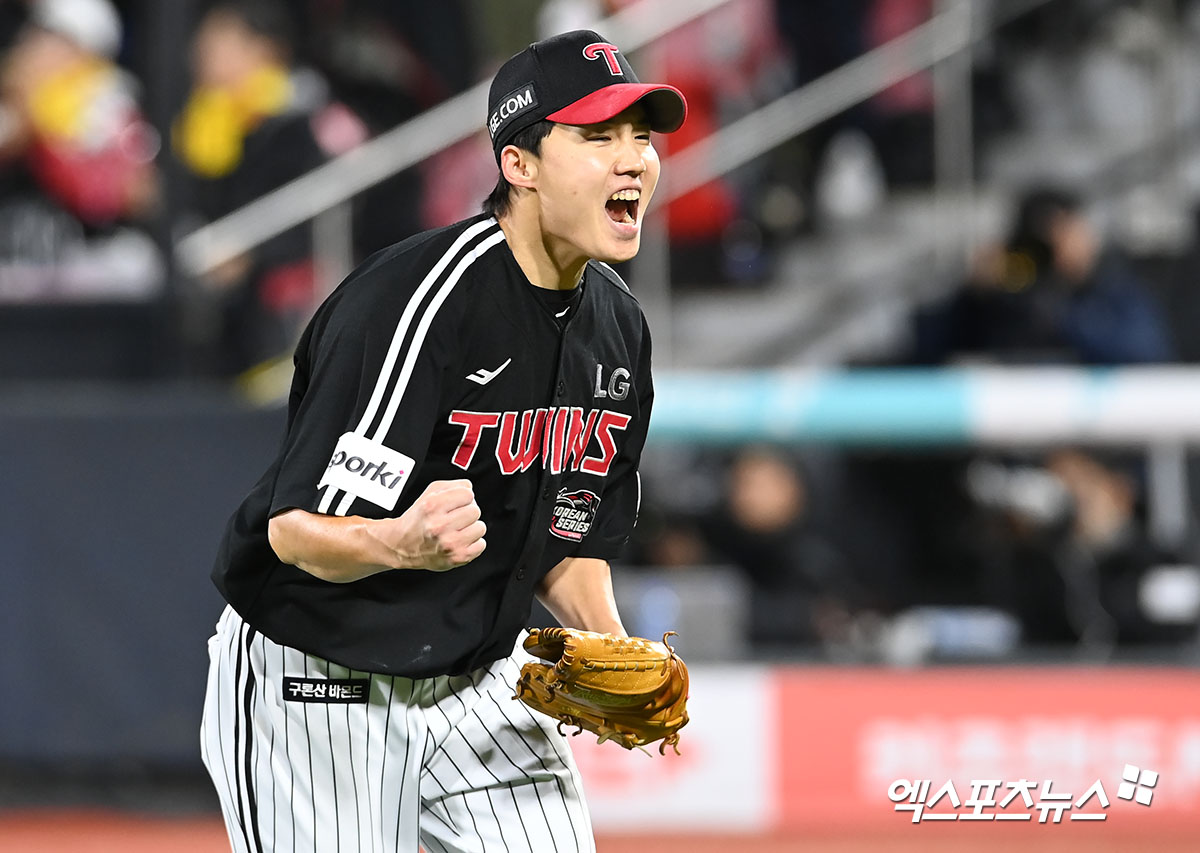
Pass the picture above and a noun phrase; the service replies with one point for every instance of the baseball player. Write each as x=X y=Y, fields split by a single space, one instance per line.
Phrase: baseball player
x=464 y=431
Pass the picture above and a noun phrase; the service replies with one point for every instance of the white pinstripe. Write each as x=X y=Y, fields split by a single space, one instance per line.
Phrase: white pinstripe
x=450 y=764
x=212 y=744
x=244 y=739
x=402 y=327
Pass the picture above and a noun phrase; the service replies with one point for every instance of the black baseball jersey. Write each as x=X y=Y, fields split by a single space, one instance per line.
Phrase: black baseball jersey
x=438 y=360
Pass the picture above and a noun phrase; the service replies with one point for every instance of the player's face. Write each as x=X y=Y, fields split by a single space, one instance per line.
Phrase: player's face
x=594 y=186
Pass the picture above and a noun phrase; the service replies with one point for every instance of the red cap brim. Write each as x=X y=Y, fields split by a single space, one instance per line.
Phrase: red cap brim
x=665 y=105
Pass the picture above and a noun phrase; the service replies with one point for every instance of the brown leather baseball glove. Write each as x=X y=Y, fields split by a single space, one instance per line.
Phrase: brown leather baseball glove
x=629 y=690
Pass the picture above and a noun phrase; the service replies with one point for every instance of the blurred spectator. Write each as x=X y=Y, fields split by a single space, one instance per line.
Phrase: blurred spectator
x=252 y=123
x=1069 y=548
x=76 y=161
x=819 y=37
x=851 y=159
x=803 y=589
x=1054 y=293
x=910 y=528
x=389 y=62
x=1181 y=295
x=902 y=114
x=1109 y=536
x=1053 y=538
x=13 y=15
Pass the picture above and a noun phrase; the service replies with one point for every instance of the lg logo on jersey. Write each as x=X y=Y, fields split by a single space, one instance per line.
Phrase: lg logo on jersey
x=618 y=384
x=367 y=470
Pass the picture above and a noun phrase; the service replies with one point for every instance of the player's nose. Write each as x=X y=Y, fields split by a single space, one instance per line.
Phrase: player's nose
x=633 y=167
x=631 y=156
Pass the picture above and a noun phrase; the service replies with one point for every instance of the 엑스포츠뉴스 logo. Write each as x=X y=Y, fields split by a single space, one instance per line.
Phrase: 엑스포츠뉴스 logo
x=574 y=513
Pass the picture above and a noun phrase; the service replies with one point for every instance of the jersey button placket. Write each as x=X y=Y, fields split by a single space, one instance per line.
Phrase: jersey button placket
x=548 y=487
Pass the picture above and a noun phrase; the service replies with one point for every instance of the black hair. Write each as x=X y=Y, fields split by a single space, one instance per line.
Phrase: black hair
x=1037 y=210
x=269 y=19
x=527 y=139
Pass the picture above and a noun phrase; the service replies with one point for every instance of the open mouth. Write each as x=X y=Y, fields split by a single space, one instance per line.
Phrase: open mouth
x=622 y=206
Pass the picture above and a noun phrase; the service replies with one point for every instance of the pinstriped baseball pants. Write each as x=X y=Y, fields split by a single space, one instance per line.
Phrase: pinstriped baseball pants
x=448 y=763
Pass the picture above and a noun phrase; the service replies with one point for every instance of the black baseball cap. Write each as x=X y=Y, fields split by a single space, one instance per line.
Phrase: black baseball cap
x=574 y=78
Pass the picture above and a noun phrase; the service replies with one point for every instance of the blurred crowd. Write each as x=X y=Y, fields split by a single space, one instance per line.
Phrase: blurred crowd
x=960 y=553
x=112 y=147
x=94 y=192
x=77 y=158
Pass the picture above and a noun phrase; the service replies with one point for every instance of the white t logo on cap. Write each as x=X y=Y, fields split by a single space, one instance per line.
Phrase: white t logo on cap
x=609 y=51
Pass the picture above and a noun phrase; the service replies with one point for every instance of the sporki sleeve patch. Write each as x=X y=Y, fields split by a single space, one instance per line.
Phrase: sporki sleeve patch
x=367 y=470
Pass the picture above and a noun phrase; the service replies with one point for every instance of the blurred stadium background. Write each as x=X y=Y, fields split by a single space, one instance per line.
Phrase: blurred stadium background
x=921 y=493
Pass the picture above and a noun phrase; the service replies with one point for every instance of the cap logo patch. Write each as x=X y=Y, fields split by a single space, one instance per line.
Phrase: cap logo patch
x=519 y=100
x=609 y=51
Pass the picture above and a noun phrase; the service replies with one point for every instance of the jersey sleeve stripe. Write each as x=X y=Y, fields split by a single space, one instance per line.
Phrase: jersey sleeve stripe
x=406 y=318
x=485 y=235
x=394 y=349
x=389 y=414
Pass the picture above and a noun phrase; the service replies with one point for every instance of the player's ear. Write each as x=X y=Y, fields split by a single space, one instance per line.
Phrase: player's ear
x=518 y=166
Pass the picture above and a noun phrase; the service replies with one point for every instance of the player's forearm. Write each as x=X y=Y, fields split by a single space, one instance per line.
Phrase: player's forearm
x=338 y=549
x=439 y=531
x=578 y=593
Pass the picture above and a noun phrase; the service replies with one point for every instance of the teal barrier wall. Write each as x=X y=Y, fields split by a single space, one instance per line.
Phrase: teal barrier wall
x=873 y=406
x=899 y=407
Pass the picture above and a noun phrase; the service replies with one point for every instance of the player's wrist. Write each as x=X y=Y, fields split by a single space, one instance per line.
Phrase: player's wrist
x=377 y=547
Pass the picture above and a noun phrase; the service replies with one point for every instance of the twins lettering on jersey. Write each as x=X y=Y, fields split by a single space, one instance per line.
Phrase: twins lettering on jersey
x=560 y=438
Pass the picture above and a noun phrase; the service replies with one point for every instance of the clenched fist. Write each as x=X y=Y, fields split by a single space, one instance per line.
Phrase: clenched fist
x=441 y=530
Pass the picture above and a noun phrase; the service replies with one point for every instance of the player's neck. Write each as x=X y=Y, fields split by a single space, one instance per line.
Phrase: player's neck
x=538 y=256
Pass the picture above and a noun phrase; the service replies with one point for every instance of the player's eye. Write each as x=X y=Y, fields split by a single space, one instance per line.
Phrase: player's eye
x=599 y=137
